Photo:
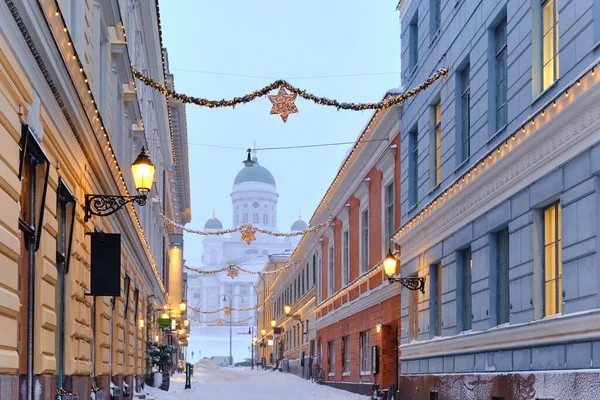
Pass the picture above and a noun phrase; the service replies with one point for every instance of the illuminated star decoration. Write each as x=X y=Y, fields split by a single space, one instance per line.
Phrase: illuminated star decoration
x=283 y=104
x=219 y=322
x=227 y=311
x=247 y=235
x=233 y=272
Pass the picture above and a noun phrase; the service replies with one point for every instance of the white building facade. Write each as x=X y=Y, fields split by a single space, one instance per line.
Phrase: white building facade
x=254 y=199
x=499 y=196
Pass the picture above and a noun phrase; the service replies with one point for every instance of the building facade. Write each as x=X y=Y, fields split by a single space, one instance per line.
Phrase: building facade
x=72 y=123
x=499 y=200
x=254 y=199
x=357 y=311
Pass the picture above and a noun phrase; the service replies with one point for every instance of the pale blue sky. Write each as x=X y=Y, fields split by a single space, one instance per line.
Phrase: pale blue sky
x=278 y=39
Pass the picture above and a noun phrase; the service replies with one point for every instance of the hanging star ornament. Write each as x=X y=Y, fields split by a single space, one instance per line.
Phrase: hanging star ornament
x=248 y=235
x=227 y=311
x=219 y=322
x=283 y=104
x=233 y=272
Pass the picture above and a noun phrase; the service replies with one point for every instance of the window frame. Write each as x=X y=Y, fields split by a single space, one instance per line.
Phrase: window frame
x=331 y=357
x=436 y=143
x=346 y=355
x=413 y=167
x=556 y=282
x=390 y=213
x=331 y=271
x=365 y=352
x=555 y=37
x=502 y=277
x=364 y=239
x=467 y=299
x=345 y=257
x=501 y=58
x=465 y=113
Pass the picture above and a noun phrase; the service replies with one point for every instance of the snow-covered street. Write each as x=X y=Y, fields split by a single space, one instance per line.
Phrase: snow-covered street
x=244 y=383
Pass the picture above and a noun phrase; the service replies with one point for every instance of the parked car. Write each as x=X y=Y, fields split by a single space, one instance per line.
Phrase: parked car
x=246 y=363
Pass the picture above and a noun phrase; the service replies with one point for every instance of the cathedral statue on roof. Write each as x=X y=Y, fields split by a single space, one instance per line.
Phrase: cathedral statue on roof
x=253 y=199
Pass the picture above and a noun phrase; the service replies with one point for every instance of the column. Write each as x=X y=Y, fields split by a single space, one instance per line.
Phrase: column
x=204 y=305
x=236 y=303
x=175 y=268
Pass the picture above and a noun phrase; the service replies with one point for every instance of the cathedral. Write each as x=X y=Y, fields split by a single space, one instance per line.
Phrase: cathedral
x=254 y=199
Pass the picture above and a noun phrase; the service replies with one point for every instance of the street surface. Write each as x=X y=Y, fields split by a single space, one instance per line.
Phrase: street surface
x=243 y=383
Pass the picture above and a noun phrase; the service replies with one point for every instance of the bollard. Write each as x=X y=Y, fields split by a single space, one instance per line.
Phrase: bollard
x=188 y=376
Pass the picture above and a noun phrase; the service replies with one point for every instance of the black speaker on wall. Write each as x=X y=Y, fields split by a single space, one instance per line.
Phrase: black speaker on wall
x=106 y=264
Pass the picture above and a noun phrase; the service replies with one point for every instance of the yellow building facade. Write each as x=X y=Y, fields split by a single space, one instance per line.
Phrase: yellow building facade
x=71 y=123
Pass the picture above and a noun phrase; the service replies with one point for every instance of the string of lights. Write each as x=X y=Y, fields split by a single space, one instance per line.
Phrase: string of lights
x=237 y=267
x=226 y=309
x=220 y=321
x=530 y=126
x=246 y=229
x=281 y=83
x=74 y=62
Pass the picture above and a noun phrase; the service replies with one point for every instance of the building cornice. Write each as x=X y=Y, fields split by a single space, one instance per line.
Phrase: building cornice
x=554 y=137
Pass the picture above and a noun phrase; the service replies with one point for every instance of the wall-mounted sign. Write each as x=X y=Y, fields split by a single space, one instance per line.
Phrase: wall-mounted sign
x=164 y=321
x=106 y=264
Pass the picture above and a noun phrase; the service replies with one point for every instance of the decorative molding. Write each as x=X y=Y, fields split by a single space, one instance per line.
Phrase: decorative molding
x=553 y=143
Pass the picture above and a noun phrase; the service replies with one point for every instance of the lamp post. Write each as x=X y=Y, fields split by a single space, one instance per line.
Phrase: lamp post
x=103 y=205
x=230 y=298
x=288 y=309
x=412 y=282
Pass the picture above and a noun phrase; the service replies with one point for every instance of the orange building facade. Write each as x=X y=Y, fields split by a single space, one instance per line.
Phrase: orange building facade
x=357 y=311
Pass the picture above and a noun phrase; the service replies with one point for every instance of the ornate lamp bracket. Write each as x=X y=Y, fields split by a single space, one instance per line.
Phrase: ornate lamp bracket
x=411 y=282
x=104 y=205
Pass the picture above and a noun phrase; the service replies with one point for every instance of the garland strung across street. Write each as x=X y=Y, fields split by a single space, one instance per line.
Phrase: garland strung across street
x=221 y=321
x=247 y=230
x=283 y=102
x=226 y=309
x=234 y=269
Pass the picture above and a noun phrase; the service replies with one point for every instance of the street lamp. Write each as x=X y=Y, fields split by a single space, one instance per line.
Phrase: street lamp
x=288 y=309
x=103 y=205
x=186 y=323
x=412 y=282
x=229 y=298
x=182 y=306
x=263 y=332
x=273 y=323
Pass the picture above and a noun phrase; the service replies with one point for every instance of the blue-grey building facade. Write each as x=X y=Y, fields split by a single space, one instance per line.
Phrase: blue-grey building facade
x=500 y=199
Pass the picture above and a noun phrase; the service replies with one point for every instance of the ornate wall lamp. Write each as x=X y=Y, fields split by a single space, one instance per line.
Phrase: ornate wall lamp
x=103 y=205
x=412 y=282
x=287 y=310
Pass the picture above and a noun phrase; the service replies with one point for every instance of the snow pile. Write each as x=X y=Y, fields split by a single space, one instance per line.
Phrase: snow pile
x=204 y=365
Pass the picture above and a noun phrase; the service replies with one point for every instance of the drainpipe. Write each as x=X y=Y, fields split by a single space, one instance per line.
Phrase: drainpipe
x=110 y=333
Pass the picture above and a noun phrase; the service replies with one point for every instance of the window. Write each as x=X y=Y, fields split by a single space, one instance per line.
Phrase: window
x=436 y=144
x=346 y=354
x=197 y=295
x=501 y=88
x=413 y=315
x=266 y=219
x=245 y=205
x=345 y=258
x=434 y=17
x=302 y=292
x=465 y=107
x=65 y=217
x=365 y=352
x=389 y=214
x=435 y=301
x=413 y=167
x=365 y=241
x=330 y=276
x=466 y=269
x=307 y=275
x=502 y=298
x=265 y=206
x=552 y=260
x=255 y=218
x=413 y=46
x=549 y=42
x=314 y=269
x=245 y=217
x=331 y=357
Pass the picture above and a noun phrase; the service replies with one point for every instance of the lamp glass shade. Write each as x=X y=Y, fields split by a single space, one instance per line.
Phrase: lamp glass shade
x=182 y=306
x=156 y=338
x=143 y=172
x=273 y=323
x=270 y=342
x=186 y=322
x=254 y=340
x=389 y=264
x=287 y=309
x=141 y=323
x=263 y=332
x=378 y=328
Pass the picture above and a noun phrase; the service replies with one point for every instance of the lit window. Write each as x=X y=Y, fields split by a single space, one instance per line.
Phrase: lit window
x=549 y=42
x=552 y=260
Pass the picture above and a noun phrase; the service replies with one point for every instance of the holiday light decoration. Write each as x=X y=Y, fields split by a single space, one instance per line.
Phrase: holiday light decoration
x=224 y=309
x=280 y=83
x=233 y=272
x=530 y=126
x=221 y=321
x=248 y=234
x=71 y=58
x=227 y=311
x=237 y=267
x=283 y=104
x=242 y=227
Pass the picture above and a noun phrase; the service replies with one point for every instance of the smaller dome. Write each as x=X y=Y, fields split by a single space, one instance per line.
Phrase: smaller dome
x=213 y=223
x=299 y=226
